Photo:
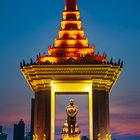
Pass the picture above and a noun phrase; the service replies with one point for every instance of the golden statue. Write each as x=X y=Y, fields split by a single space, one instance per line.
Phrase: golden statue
x=71 y=129
x=71 y=111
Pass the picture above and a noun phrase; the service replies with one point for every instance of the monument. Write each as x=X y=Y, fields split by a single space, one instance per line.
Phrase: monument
x=71 y=129
x=71 y=66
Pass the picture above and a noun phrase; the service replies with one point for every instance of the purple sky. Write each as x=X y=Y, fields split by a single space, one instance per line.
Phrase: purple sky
x=28 y=27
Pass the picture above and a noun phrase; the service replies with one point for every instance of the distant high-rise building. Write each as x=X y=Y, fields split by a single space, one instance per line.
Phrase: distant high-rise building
x=3 y=136
x=32 y=117
x=0 y=129
x=19 y=130
x=27 y=136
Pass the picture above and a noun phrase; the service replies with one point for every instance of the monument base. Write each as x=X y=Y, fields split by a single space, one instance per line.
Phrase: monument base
x=67 y=137
x=72 y=138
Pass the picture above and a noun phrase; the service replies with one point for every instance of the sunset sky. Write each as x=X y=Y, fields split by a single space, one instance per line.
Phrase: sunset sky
x=27 y=27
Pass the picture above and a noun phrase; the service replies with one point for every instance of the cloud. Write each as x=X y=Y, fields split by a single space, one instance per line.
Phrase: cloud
x=125 y=121
x=125 y=127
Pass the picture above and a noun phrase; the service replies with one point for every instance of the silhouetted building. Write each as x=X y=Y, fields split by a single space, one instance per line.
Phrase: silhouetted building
x=0 y=129
x=3 y=136
x=32 y=117
x=19 y=130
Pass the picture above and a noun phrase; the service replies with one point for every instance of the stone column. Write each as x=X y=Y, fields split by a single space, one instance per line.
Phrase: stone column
x=100 y=114
x=42 y=116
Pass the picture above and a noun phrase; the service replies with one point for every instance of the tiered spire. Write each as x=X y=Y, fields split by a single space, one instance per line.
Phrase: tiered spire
x=70 y=42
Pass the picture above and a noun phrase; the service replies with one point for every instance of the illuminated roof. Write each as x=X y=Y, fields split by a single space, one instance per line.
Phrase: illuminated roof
x=103 y=76
x=71 y=42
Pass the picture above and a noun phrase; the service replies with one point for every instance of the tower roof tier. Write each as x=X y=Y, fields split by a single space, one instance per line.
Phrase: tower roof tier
x=71 y=42
x=70 y=52
x=75 y=34
x=66 y=14
x=72 y=24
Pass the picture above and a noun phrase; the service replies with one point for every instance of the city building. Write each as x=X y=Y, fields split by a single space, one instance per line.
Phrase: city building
x=3 y=136
x=32 y=117
x=71 y=66
x=27 y=136
x=19 y=130
x=0 y=129
x=84 y=138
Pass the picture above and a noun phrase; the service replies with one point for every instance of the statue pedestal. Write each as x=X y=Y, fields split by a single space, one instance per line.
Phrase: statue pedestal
x=72 y=138
x=66 y=136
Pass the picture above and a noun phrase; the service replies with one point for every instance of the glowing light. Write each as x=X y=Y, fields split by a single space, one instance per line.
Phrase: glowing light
x=77 y=13
x=51 y=83
x=103 y=76
x=63 y=23
x=52 y=113
x=44 y=137
x=50 y=59
x=88 y=88
x=71 y=32
x=64 y=87
x=83 y=42
x=35 y=137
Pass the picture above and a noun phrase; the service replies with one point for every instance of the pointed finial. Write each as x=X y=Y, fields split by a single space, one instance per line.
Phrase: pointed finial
x=122 y=64
x=21 y=66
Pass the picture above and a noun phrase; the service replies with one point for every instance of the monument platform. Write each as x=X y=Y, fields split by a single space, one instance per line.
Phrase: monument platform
x=72 y=138
x=66 y=136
